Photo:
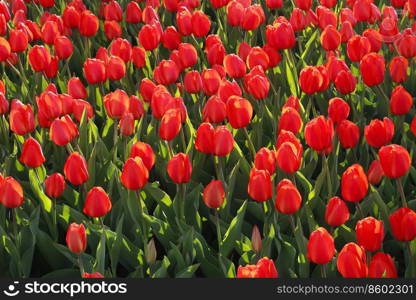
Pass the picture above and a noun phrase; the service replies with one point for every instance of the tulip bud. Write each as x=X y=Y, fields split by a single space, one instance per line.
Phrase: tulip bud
x=126 y=124
x=134 y=174
x=18 y=40
x=214 y=194
x=179 y=168
x=97 y=204
x=22 y=120
x=204 y=141
x=63 y=47
x=330 y=38
x=310 y=80
x=354 y=183
x=76 y=238
x=395 y=160
x=265 y=159
x=121 y=48
x=372 y=69
x=288 y=198
x=336 y=212
x=319 y=133
x=149 y=37
x=379 y=133
x=39 y=58
x=321 y=248
x=239 y=111
x=166 y=72
x=76 y=88
x=223 y=141
x=351 y=262
x=345 y=82
x=348 y=134
x=375 y=38
x=192 y=82
x=403 y=224
x=280 y=35
x=145 y=152
x=79 y=107
x=151 y=252
x=370 y=233
x=400 y=101
x=211 y=81
x=88 y=25
x=260 y=185
x=338 y=110
x=289 y=152
x=32 y=155
x=188 y=55
x=201 y=23
x=375 y=172
x=75 y=169
x=170 y=124
x=94 y=71
x=256 y=242
x=234 y=66
x=11 y=192
x=133 y=13
x=382 y=266
x=116 y=69
x=290 y=120
x=398 y=69
x=214 y=110
x=55 y=185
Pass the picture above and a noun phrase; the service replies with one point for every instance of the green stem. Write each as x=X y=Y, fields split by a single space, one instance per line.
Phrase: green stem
x=218 y=168
x=115 y=140
x=219 y=238
x=250 y=143
x=360 y=211
x=323 y=271
x=401 y=191
x=142 y=223
x=81 y=265
x=328 y=175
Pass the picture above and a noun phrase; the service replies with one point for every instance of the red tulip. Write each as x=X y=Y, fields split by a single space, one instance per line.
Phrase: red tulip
x=211 y=81
x=336 y=212
x=265 y=159
x=351 y=262
x=289 y=152
x=97 y=204
x=179 y=168
x=55 y=185
x=375 y=38
x=357 y=47
x=75 y=169
x=126 y=124
x=354 y=183
x=288 y=198
x=121 y=48
x=94 y=71
x=88 y=25
x=115 y=68
x=214 y=194
x=372 y=69
x=223 y=141
x=76 y=88
x=311 y=80
x=234 y=66
x=170 y=124
x=395 y=160
x=188 y=55
x=330 y=38
x=265 y=268
x=379 y=133
x=280 y=35
x=192 y=82
x=5 y=49
x=290 y=120
x=200 y=23
x=345 y=82
x=76 y=238
x=403 y=224
x=260 y=185
x=370 y=233
x=338 y=110
x=39 y=58
x=239 y=111
x=133 y=13
x=134 y=174
x=214 y=110
x=398 y=69
x=22 y=120
x=79 y=107
x=18 y=40
x=228 y=89
x=138 y=56
x=32 y=155
x=319 y=133
x=4 y=104
x=400 y=101
x=348 y=134
x=375 y=172
x=382 y=266
x=116 y=103
x=204 y=141
x=11 y=192
x=96 y=274
x=321 y=248
x=258 y=86
x=166 y=72
x=149 y=37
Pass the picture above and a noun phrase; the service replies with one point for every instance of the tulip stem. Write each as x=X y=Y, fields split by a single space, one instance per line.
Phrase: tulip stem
x=171 y=154
x=183 y=139
x=401 y=191
x=411 y=260
x=323 y=271
x=218 y=168
x=219 y=238
x=250 y=143
x=328 y=175
x=115 y=140
x=81 y=265
x=54 y=212
x=142 y=223
x=182 y=193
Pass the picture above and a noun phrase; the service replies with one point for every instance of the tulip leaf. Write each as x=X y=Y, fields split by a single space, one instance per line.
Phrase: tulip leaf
x=188 y=272
x=35 y=185
x=234 y=231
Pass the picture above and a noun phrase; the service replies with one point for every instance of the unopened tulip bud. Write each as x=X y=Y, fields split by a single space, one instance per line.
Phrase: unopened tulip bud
x=256 y=242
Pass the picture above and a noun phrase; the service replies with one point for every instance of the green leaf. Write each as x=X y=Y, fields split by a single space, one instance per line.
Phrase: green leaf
x=99 y=265
x=188 y=272
x=234 y=231
x=34 y=183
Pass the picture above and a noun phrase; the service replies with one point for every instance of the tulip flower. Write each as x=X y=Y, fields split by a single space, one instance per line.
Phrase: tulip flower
x=288 y=198
x=338 y=110
x=21 y=118
x=370 y=233
x=280 y=35
x=375 y=172
x=357 y=47
x=76 y=88
x=260 y=185
x=95 y=71
x=382 y=266
x=239 y=111
x=214 y=111
x=11 y=192
x=265 y=159
x=134 y=174
x=97 y=204
x=372 y=69
x=149 y=37
x=398 y=69
x=179 y=168
x=351 y=261
x=214 y=194
x=76 y=169
x=76 y=238
x=5 y=49
x=379 y=133
x=121 y=48
x=55 y=185
x=204 y=141
x=115 y=68
x=223 y=141
x=403 y=224
x=348 y=134
x=192 y=82
x=290 y=120
x=289 y=152
x=95 y=274
x=321 y=248
x=265 y=268
x=354 y=183
x=395 y=160
x=234 y=66
x=32 y=155
x=330 y=38
x=170 y=124
x=400 y=101
x=116 y=104
x=133 y=13
x=336 y=212
x=88 y=25
x=319 y=133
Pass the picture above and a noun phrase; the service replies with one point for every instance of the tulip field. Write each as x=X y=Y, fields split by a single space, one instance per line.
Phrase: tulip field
x=207 y=138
